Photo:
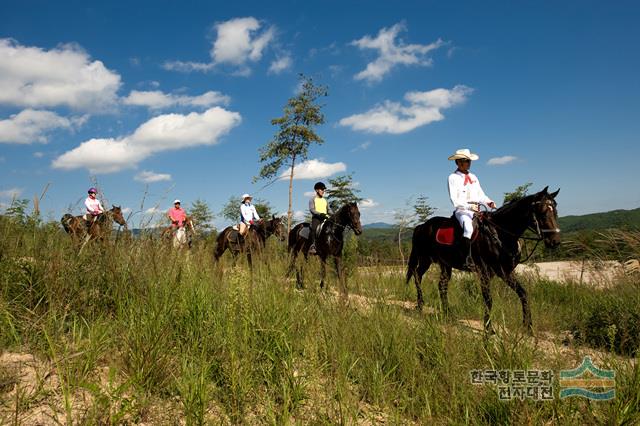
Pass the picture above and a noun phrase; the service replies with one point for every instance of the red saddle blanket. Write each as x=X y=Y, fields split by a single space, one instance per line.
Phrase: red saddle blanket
x=446 y=236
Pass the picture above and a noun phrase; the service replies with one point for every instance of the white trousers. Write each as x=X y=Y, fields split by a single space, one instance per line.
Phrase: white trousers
x=465 y=218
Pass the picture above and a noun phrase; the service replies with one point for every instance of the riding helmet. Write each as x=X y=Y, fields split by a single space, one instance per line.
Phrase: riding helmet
x=319 y=185
x=92 y=189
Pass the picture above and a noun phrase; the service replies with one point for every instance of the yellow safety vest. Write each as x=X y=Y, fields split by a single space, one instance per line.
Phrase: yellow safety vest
x=320 y=205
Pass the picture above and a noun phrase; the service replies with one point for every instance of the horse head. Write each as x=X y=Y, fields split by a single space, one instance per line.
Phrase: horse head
x=276 y=227
x=349 y=215
x=116 y=215
x=544 y=219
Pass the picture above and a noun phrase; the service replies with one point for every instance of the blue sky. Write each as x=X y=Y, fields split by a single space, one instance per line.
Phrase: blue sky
x=162 y=100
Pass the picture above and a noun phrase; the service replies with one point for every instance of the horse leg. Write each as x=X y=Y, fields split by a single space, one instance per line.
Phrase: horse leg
x=486 y=295
x=522 y=294
x=443 y=287
x=423 y=266
x=323 y=270
x=337 y=261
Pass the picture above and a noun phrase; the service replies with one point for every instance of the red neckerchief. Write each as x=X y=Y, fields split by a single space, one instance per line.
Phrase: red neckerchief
x=467 y=178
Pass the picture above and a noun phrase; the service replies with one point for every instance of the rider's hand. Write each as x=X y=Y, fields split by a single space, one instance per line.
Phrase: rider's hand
x=251 y=222
x=491 y=204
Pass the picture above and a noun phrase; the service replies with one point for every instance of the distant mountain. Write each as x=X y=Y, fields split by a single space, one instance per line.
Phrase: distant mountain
x=378 y=225
x=599 y=221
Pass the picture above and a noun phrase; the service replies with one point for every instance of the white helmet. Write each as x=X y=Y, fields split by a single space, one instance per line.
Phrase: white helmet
x=245 y=196
x=176 y=201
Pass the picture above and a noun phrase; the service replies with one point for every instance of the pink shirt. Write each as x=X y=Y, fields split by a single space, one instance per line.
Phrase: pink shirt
x=177 y=215
x=93 y=206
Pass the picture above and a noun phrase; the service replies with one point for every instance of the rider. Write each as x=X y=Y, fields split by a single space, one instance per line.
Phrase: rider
x=319 y=209
x=466 y=195
x=93 y=205
x=248 y=215
x=177 y=215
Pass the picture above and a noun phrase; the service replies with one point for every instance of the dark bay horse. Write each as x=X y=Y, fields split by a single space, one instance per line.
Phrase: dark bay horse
x=97 y=229
x=254 y=241
x=495 y=251
x=328 y=243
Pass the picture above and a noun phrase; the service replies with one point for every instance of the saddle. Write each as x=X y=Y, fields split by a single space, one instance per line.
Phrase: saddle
x=450 y=231
x=305 y=232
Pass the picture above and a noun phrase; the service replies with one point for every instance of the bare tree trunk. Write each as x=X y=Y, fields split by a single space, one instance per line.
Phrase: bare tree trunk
x=400 y=243
x=290 y=211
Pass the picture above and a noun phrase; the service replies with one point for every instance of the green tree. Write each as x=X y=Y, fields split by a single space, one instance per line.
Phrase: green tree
x=263 y=208
x=422 y=208
x=520 y=192
x=17 y=210
x=202 y=215
x=342 y=191
x=294 y=136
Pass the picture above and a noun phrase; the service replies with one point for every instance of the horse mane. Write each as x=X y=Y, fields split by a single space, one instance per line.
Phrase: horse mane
x=513 y=207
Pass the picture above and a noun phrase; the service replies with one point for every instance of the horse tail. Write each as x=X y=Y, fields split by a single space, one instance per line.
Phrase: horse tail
x=66 y=222
x=293 y=238
x=220 y=245
x=414 y=256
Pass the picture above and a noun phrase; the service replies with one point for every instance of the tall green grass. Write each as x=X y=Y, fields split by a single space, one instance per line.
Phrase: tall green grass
x=136 y=332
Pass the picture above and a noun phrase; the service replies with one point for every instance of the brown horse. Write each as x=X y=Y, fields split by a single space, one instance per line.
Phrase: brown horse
x=495 y=250
x=97 y=229
x=329 y=242
x=253 y=242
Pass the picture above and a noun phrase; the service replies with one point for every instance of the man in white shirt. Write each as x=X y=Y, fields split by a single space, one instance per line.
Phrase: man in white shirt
x=248 y=214
x=466 y=195
x=93 y=205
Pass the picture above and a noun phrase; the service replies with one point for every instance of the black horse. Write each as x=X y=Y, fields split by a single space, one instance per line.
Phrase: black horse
x=495 y=250
x=328 y=242
x=253 y=242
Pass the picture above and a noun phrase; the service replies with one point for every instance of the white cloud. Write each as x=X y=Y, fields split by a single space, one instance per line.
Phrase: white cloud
x=29 y=126
x=363 y=146
x=299 y=215
x=152 y=210
x=38 y=154
x=239 y=41
x=500 y=161
x=162 y=133
x=64 y=76
x=280 y=64
x=156 y=99
x=367 y=203
x=126 y=210
x=392 y=52
x=423 y=108
x=148 y=176
x=11 y=193
x=314 y=169
x=309 y=193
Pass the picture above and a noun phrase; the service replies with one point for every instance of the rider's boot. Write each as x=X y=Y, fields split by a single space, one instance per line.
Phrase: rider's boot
x=312 y=238
x=465 y=251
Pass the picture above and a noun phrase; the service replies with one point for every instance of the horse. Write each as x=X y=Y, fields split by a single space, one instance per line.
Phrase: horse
x=329 y=242
x=181 y=236
x=97 y=229
x=254 y=241
x=495 y=248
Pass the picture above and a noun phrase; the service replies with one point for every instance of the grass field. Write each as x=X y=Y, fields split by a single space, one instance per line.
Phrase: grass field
x=133 y=332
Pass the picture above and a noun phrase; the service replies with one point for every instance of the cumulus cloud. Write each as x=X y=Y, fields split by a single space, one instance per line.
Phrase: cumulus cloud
x=423 y=108
x=11 y=193
x=29 y=126
x=156 y=99
x=299 y=215
x=392 y=52
x=367 y=203
x=162 y=133
x=148 y=176
x=280 y=64
x=314 y=169
x=238 y=42
x=64 y=76
x=500 y=161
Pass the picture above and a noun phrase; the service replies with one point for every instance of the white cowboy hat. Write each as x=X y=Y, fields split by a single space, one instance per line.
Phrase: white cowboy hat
x=245 y=196
x=176 y=201
x=464 y=154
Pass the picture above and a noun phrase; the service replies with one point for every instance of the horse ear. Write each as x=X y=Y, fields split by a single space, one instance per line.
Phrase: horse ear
x=273 y=217
x=545 y=190
x=554 y=194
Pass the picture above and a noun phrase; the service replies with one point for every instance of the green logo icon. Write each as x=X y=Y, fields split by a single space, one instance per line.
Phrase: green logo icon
x=588 y=381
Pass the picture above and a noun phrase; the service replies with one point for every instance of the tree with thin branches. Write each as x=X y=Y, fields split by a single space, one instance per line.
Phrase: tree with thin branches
x=295 y=135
